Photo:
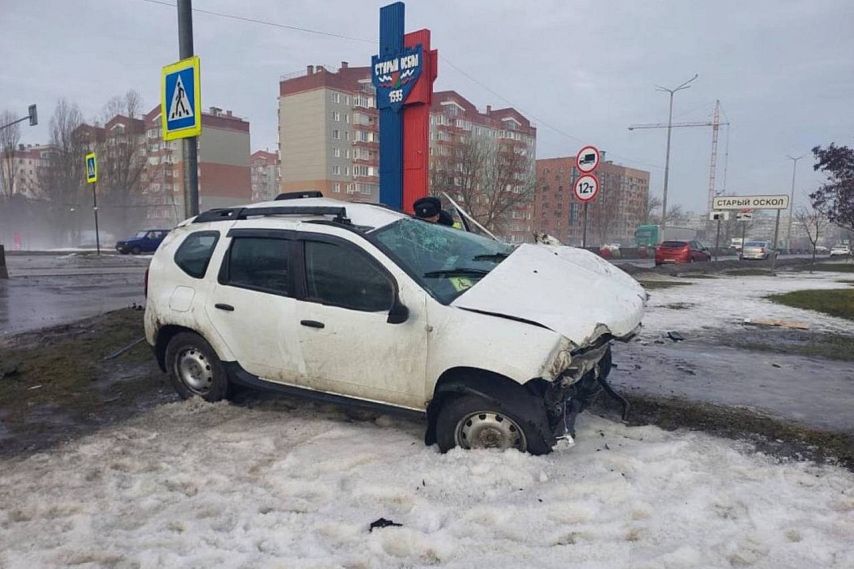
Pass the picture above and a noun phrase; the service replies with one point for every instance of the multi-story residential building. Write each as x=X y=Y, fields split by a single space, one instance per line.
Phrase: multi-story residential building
x=613 y=215
x=265 y=175
x=20 y=172
x=224 y=170
x=329 y=133
x=486 y=161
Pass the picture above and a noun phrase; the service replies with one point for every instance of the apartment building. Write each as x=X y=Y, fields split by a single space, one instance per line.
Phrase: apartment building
x=265 y=175
x=20 y=171
x=329 y=133
x=613 y=215
x=486 y=161
x=224 y=167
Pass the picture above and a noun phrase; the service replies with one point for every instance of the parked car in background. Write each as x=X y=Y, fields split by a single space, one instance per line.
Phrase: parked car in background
x=757 y=250
x=145 y=241
x=736 y=243
x=681 y=252
x=359 y=304
x=821 y=250
x=841 y=250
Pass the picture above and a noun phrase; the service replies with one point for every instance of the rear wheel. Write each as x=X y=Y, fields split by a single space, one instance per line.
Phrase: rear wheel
x=473 y=422
x=195 y=369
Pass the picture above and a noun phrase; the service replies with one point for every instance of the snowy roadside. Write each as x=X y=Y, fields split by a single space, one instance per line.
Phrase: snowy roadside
x=193 y=485
x=727 y=301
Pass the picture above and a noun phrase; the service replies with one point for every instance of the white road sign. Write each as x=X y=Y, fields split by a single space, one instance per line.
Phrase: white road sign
x=780 y=201
x=586 y=187
x=719 y=216
x=744 y=216
x=587 y=159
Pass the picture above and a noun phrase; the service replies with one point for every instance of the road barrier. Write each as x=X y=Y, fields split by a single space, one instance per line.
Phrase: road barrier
x=4 y=274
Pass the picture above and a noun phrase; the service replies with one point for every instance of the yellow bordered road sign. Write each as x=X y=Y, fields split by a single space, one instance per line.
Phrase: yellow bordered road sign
x=181 y=99
x=91 y=168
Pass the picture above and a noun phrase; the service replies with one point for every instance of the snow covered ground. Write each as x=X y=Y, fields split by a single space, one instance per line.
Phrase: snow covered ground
x=286 y=485
x=726 y=301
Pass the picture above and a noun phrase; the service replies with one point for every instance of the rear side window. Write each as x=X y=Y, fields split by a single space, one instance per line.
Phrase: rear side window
x=258 y=263
x=339 y=276
x=194 y=254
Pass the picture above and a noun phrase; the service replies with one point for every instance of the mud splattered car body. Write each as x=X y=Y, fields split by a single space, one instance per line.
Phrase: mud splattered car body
x=497 y=345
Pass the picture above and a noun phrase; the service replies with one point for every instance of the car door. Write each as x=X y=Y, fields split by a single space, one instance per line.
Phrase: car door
x=252 y=305
x=348 y=345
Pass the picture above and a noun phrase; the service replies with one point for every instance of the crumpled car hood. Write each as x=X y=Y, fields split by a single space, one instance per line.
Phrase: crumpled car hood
x=568 y=290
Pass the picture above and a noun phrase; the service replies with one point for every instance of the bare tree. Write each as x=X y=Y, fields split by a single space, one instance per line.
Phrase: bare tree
x=121 y=161
x=650 y=216
x=814 y=222
x=61 y=179
x=9 y=139
x=492 y=177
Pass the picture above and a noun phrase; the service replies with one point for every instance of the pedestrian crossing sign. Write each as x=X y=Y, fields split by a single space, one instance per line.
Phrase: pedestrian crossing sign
x=91 y=168
x=181 y=99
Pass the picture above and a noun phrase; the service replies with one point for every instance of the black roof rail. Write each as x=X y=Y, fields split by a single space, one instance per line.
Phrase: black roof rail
x=299 y=195
x=235 y=213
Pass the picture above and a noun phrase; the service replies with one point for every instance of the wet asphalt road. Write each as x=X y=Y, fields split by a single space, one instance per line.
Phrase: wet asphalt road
x=46 y=290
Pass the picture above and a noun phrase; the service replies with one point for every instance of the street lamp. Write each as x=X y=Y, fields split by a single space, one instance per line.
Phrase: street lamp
x=792 y=200
x=684 y=85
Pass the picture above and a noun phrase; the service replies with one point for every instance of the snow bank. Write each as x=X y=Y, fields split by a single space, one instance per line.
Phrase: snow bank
x=726 y=301
x=197 y=485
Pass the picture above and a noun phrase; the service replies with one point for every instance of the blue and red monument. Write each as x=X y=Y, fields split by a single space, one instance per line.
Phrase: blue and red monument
x=403 y=74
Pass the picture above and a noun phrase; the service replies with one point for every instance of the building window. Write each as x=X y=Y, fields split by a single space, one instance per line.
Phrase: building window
x=348 y=152
x=336 y=116
x=336 y=134
x=346 y=118
x=347 y=171
x=336 y=97
x=336 y=152
x=336 y=170
x=336 y=187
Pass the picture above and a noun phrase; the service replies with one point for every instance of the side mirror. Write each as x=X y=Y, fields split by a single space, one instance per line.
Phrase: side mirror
x=399 y=313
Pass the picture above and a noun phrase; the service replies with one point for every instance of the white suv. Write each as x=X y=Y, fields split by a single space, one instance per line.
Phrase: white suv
x=499 y=346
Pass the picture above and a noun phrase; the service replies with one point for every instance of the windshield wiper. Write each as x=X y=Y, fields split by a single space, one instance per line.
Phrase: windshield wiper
x=456 y=272
x=497 y=257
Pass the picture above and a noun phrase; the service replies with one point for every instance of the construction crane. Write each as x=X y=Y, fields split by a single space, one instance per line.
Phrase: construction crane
x=715 y=123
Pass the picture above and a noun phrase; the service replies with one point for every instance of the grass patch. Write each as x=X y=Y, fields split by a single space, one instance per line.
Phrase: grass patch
x=829 y=267
x=793 y=342
x=835 y=302
x=654 y=285
x=698 y=276
x=60 y=367
x=749 y=272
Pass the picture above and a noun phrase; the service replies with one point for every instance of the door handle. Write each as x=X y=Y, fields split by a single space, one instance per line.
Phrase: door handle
x=312 y=323
x=226 y=307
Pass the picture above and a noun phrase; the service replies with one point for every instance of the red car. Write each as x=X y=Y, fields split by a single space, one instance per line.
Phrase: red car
x=681 y=252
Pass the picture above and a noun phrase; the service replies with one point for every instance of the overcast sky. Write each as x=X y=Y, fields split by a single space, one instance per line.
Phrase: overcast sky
x=581 y=70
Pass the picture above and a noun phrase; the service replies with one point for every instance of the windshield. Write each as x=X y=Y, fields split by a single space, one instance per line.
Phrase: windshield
x=446 y=261
x=755 y=244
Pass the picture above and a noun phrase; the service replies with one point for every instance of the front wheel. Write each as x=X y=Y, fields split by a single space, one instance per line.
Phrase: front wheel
x=473 y=422
x=195 y=369
x=136 y=250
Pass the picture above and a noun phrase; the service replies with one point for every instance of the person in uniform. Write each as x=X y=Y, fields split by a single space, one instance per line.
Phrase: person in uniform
x=430 y=209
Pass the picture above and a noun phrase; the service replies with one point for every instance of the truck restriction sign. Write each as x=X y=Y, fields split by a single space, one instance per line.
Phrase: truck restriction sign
x=587 y=159
x=586 y=187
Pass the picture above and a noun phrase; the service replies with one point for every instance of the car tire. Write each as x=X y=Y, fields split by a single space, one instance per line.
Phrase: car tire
x=469 y=421
x=136 y=250
x=194 y=368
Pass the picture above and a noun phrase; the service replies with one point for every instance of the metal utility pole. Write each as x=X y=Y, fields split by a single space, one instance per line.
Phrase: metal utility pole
x=672 y=92
x=792 y=200
x=191 y=147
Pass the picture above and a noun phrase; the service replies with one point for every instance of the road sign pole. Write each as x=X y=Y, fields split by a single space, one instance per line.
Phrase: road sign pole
x=191 y=148
x=774 y=247
x=743 y=231
x=95 y=210
x=584 y=234
x=718 y=239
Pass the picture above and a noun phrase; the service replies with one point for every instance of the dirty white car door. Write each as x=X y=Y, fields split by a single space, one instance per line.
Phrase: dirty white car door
x=348 y=344
x=252 y=306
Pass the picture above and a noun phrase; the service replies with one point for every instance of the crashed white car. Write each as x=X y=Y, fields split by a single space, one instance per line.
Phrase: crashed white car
x=499 y=346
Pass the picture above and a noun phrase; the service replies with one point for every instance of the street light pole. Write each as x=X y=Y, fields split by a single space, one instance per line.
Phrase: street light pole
x=684 y=85
x=792 y=200
x=191 y=148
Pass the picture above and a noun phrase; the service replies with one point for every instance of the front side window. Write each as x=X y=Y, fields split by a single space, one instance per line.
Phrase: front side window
x=194 y=254
x=339 y=276
x=258 y=263
x=446 y=261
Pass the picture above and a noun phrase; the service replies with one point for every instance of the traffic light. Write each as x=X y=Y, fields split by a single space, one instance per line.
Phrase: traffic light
x=34 y=116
